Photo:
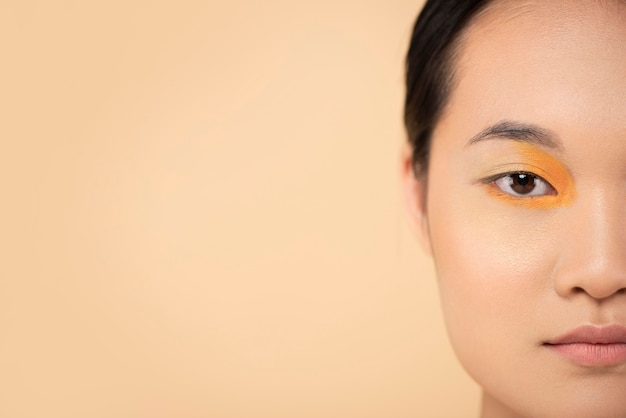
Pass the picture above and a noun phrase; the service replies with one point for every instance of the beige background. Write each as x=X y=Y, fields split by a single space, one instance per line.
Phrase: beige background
x=201 y=215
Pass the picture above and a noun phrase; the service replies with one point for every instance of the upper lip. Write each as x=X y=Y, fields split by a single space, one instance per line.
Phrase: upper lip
x=589 y=334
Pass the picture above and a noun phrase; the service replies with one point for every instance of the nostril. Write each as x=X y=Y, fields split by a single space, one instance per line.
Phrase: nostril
x=594 y=292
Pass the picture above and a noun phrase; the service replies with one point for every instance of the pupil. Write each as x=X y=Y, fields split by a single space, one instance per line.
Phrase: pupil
x=523 y=183
x=523 y=179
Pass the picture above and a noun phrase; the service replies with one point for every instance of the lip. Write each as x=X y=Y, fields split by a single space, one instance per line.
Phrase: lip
x=592 y=346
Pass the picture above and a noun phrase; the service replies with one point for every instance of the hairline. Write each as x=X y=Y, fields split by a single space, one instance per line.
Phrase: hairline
x=451 y=57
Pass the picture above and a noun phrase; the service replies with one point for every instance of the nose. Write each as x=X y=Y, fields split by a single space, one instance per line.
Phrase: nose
x=592 y=260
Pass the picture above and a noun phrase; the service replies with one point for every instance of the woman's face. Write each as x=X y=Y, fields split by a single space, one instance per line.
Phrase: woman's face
x=525 y=208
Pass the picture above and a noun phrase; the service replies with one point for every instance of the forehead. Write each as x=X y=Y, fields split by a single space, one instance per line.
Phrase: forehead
x=560 y=64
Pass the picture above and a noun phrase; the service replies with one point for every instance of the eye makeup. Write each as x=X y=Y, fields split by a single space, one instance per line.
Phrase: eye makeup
x=532 y=161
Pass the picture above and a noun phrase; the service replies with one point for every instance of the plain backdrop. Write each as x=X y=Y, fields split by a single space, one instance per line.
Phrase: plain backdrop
x=201 y=215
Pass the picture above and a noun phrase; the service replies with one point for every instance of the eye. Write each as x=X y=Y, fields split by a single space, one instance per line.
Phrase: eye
x=524 y=184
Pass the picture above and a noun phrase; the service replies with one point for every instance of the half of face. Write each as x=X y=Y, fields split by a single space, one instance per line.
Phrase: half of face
x=524 y=204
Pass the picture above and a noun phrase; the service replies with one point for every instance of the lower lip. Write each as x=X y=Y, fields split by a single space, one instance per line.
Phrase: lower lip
x=592 y=354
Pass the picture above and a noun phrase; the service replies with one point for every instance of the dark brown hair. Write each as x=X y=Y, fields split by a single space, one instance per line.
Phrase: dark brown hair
x=429 y=69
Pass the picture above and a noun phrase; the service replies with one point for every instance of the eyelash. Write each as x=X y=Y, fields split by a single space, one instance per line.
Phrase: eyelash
x=499 y=181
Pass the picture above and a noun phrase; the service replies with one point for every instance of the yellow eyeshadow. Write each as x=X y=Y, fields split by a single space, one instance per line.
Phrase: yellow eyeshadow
x=542 y=164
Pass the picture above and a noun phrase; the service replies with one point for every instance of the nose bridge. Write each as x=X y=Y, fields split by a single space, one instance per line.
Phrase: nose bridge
x=593 y=256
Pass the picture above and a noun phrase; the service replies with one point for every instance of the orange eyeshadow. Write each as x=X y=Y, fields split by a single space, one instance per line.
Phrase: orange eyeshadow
x=544 y=165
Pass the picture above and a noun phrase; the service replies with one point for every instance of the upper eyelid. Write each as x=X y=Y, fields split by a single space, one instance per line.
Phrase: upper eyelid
x=517 y=167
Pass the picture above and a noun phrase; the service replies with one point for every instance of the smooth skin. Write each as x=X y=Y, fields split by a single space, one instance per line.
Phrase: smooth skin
x=516 y=270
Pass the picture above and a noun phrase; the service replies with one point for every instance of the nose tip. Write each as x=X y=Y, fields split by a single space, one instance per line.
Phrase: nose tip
x=598 y=282
x=599 y=276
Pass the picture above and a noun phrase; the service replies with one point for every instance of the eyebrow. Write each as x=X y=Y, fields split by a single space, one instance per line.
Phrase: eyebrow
x=519 y=131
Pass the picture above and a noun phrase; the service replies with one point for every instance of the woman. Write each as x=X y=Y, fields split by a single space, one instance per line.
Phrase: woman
x=515 y=175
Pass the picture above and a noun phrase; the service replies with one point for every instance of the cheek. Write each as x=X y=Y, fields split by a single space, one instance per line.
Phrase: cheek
x=493 y=264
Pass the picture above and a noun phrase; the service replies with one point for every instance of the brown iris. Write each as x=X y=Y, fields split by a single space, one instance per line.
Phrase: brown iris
x=522 y=183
